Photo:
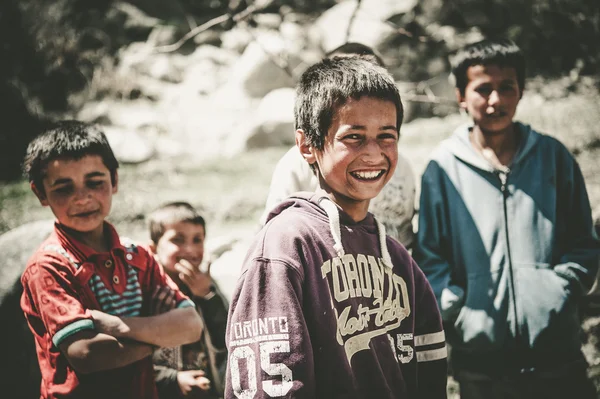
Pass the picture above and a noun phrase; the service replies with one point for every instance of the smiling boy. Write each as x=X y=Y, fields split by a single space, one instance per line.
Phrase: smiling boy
x=178 y=232
x=506 y=240
x=87 y=294
x=327 y=305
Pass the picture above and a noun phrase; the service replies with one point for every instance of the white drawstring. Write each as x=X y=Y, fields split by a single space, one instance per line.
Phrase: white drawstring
x=387 y=259
x=334 y=226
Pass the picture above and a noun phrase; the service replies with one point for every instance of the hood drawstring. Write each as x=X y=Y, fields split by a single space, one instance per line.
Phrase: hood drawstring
x=334 y=226
x=387 y=259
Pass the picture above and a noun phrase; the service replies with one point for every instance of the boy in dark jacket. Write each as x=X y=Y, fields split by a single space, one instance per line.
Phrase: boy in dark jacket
x=506 y=240
x=327 y=305
x=195 y=370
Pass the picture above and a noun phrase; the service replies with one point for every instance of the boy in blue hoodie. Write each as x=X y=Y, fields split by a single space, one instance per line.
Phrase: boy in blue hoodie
x=506 y=240
x=328 y=306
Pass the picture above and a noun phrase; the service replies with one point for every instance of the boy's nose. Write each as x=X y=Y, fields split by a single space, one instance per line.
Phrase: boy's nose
x=494 y=98
x=373 y=150
x=82 y=194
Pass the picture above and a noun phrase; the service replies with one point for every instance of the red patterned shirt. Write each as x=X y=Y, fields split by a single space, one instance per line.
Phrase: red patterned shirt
x=62 y=282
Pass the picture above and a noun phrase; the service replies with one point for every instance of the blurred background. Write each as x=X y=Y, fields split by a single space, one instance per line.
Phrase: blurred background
x=196 y=97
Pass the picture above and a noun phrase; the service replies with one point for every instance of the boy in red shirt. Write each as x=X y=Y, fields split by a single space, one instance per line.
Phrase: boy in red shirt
x=88 y=295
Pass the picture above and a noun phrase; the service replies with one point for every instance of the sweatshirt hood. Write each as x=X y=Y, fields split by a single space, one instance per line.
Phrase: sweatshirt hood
x=325 y=209
x=460 y=146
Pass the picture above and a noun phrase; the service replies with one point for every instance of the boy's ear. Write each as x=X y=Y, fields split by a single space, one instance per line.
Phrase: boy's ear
x=40 y=196
x=307 y=151
x=461 y=99
x=116 y=183
x=152 y=246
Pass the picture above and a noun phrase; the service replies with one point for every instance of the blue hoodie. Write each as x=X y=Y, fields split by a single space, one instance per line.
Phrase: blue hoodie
x=508 y=252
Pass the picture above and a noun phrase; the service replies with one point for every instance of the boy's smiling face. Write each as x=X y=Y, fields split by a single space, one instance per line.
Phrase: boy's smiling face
x=79 y=192
x=359 y=155
x=491 y=97
x=180 y=240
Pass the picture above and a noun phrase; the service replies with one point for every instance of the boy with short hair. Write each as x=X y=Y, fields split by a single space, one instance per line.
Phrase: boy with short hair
x=327 y=305
x=177 y=233
x=506 y=240
x=87 y=294
x=394 y=206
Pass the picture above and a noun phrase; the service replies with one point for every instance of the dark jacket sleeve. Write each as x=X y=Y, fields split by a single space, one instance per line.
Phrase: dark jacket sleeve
x=166 y=382
x=214 y=311
x=270 y=353
x=430 y=342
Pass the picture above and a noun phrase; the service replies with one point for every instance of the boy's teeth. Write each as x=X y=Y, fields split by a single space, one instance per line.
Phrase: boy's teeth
x=368 y=175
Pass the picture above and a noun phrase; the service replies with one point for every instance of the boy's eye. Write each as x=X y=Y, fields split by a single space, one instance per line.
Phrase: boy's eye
x=63 y=190
x=388 y=136
x=352 y=136
x=178 y=240
x=483 y=90
x=95 y=183
x=507 y=88
x=198 y=240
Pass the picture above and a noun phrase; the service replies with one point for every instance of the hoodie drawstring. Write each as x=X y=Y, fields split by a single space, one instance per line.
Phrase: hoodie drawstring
x=334 y=226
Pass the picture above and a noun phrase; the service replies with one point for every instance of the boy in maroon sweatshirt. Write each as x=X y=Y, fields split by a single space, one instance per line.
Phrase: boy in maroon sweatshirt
x=327 y=305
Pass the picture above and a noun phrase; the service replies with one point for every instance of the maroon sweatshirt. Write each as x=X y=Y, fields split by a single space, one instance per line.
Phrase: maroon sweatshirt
x=330 y=308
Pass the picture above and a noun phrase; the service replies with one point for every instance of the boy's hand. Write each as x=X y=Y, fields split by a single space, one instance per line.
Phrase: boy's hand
x=198 y=281
x=193 y=383
x=163 y=300
x=108 y=324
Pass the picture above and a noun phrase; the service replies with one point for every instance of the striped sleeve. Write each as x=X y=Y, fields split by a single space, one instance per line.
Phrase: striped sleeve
x=431 y=347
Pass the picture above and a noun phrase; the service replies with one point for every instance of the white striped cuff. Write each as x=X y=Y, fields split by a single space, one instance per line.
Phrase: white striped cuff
x=430 y=354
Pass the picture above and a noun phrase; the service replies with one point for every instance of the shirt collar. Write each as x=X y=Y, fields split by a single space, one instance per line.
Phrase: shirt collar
x=82 y=252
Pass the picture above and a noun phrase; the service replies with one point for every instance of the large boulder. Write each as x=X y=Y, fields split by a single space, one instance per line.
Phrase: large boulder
x=354 y=21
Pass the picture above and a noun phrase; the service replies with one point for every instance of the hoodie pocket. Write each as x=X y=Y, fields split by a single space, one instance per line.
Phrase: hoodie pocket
x=547 y=312
x=482 y=322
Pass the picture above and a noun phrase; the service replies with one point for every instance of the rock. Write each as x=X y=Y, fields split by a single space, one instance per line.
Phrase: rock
x=257 y=71
x=294 y=35
x=344 y=23
x=274 y=123
x=236 y=39
x=268 y=20
x=141 y=58
x=210 y=37
x=227 y=268
x=163 y=35
x=128 y=146
x=270 y=125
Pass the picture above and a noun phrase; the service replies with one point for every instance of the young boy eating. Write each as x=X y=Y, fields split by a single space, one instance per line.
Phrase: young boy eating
x=327 y=305
x=87 y=294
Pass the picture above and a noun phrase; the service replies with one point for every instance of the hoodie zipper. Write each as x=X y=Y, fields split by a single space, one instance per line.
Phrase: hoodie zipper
x=503 y=176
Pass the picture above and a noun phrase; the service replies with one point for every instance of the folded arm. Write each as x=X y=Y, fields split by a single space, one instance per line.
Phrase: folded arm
x=173 y=328
x=89 y=351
